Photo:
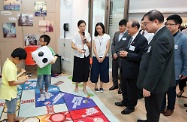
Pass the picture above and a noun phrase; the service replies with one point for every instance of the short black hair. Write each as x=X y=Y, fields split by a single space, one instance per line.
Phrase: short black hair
x=80 y=22
x=20 y=53
x=102 y=26
x=155 y=14
x=135 y=24
x=123 y=22
x=142 y=18
x=46 y=38
x=176 y=18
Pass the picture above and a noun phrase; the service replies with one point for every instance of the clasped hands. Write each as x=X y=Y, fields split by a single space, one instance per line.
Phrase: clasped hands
x=123 y=53
x=100 y=60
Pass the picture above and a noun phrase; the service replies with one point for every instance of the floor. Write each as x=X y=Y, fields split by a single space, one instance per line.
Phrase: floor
x=106 y=101
x=63 y=105
x=110 y=97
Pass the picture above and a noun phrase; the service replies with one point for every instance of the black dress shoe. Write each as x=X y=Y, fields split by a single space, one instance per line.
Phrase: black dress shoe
x=139 y=120
x=127 y=111
x=113 y=87
x=120 y=104
x=180 y=93
x=119 y=91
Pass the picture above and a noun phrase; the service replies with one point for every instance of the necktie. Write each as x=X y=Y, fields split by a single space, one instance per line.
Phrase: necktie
x=130 y=41
x=143 y=32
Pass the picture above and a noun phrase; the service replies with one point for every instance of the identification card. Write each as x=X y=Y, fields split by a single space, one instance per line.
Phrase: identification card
x=132 y=48
x=176 y=47
x=124 y=39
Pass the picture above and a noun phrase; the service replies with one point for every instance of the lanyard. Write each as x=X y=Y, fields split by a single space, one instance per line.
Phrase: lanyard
x=100 y=40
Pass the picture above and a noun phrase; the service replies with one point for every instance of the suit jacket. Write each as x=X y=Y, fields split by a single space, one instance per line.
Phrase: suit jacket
x=184 y=31
x=118 y=45
x=130 y=64
x=180 y=55
x=156 y=73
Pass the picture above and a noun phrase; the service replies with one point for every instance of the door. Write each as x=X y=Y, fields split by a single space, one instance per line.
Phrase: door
x=109 y=12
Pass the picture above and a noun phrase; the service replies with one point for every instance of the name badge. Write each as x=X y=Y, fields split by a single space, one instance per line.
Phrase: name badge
x=176 y=46
x=132 y=48
x=149 y=49
x=124 y=39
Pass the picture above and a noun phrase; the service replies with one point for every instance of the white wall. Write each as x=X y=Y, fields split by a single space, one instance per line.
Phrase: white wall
x=71 y=12
x=137 y=8
x=165 y=6
x=7 y=45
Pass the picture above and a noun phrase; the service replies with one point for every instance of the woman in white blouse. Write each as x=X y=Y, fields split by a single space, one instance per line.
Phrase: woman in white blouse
x=81 y=42
x=100 y=66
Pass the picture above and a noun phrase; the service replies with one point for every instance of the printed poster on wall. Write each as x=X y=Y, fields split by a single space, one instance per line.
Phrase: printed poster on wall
x=40 y=8
x=31 y=39
x=9 y=30
x=25 y=19
x=45 y=26
x=12 y=5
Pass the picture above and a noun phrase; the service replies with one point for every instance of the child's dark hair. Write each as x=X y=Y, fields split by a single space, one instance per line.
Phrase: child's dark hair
x=46 y=38
x=20 y=53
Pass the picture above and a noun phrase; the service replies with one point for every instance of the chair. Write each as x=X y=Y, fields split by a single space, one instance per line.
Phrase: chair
x=29 y=50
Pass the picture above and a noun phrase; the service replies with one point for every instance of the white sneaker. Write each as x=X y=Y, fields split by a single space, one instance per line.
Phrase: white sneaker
x=47 y=95
x=42 y=97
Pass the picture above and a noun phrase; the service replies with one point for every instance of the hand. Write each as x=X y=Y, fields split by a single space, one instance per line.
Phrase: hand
x=23 y=71
x=101 y=60
x=146 y=93
x=123 y=53
x=23 y=79
x=81 y=51
x=182 y=77
x=115 y=56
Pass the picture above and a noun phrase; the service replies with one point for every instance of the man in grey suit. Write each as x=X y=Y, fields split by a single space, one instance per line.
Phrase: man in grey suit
x=156 y=72
x=118 y=44
x=173 y=24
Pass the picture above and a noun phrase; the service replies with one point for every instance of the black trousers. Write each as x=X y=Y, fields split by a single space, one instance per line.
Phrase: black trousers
x=153 y=106
x=116 y=65
x=170 y=99
x=129 y=92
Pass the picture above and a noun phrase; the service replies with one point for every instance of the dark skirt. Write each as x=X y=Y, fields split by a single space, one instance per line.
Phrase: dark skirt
x=101 y=69
x=81 y=69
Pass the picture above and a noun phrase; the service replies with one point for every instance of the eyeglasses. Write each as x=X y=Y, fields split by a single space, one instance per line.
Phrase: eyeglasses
x=168 y=24
x=146 y=23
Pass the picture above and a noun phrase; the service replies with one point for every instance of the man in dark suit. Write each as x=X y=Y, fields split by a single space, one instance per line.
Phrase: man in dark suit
x=132 y=53
x=156 y=73
x=118 y=44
